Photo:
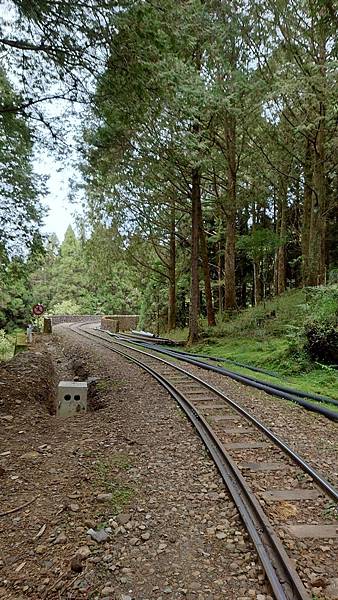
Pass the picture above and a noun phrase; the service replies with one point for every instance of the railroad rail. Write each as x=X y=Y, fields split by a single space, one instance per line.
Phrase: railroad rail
x=205 y=405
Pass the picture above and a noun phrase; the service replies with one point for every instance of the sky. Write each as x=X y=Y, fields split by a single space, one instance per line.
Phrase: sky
x=57 y=210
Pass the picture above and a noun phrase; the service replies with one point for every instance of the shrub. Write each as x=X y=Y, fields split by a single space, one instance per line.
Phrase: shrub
x=6 y=346
x=67 y=307
x=322 y=342
x=320 y=328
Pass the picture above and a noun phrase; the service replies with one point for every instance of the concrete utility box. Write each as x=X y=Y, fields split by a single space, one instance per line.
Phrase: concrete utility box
x=72 y=398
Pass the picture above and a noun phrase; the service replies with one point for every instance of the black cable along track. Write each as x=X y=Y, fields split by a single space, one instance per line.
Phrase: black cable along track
x=284 y=580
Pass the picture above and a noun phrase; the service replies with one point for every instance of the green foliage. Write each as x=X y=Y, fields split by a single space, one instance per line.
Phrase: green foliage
x=20 y=188
x=323 y=304
x=6 y=345
x=120 y=494
x=244 y=93
x=85 y=276
x=67 y=307
x=333 y=275
x=260 y=244
x=16 y=297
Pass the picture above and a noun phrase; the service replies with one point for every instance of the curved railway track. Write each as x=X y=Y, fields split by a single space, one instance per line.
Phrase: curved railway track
x=245 y=452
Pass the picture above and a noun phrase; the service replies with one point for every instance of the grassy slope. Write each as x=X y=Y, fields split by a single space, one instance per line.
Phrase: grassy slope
x=253 y=339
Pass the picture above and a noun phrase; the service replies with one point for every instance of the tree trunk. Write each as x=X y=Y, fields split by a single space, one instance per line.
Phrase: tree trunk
x=194 y=294
x=280 y=280
x=307 y=209
x=257 y=282
x=317 y=231
x=230 y=211
x=206 y=271
x=220 y=281
x=172 y=271
x=318 y=224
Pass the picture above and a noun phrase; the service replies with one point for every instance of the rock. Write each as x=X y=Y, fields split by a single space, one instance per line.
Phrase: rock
x=31 y=455
x=167 y=590
x=318 y=581
x=162 y=546
x=74 y=507
x=126 y=597
x=123 y=518
x=41 y=549
x=104 y=497
x=113 y=523
x=213 y=495
x=61 y=539
x=134 y=541
x=260 y=597
x=107 y=591
x=145 y=536
x=221 y=535
x=75 y=564
x=83 y=552
x=80 y=584
x=107 y=558
x=194 y=585
x=331 y=591
x=99 y=536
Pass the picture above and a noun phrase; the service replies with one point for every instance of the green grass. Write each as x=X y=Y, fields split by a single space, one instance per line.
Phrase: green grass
x=256 y=338
x=121 y=493
x=331 y=511
x=272 y=355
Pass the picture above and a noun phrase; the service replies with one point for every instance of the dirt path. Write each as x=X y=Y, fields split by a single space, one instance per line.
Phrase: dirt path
x=132 y=471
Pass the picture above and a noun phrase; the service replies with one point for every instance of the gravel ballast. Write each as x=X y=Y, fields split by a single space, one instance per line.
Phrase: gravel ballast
x=125 y=501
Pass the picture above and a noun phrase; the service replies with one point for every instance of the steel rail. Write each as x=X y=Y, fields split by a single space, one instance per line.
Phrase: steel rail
x=284 y=579
x=270 y=388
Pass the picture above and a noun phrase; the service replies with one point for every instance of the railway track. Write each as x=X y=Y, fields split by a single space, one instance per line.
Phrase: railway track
x=254 y=465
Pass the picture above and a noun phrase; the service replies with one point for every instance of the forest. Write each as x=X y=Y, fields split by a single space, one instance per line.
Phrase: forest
x=206 y=156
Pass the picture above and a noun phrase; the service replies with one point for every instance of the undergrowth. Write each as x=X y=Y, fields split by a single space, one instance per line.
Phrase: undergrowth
x=274 y=336
x=7 y=344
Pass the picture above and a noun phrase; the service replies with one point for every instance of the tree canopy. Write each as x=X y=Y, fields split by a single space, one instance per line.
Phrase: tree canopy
x=207 y=147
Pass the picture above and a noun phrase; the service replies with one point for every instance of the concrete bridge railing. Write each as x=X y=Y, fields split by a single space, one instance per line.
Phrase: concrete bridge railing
x=117 y=323
x=113 y=323
x=56 y=319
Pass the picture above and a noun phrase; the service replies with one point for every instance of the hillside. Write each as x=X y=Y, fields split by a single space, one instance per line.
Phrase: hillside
x=272 y=336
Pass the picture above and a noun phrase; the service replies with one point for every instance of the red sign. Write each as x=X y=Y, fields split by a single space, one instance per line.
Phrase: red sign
x=38 y=310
